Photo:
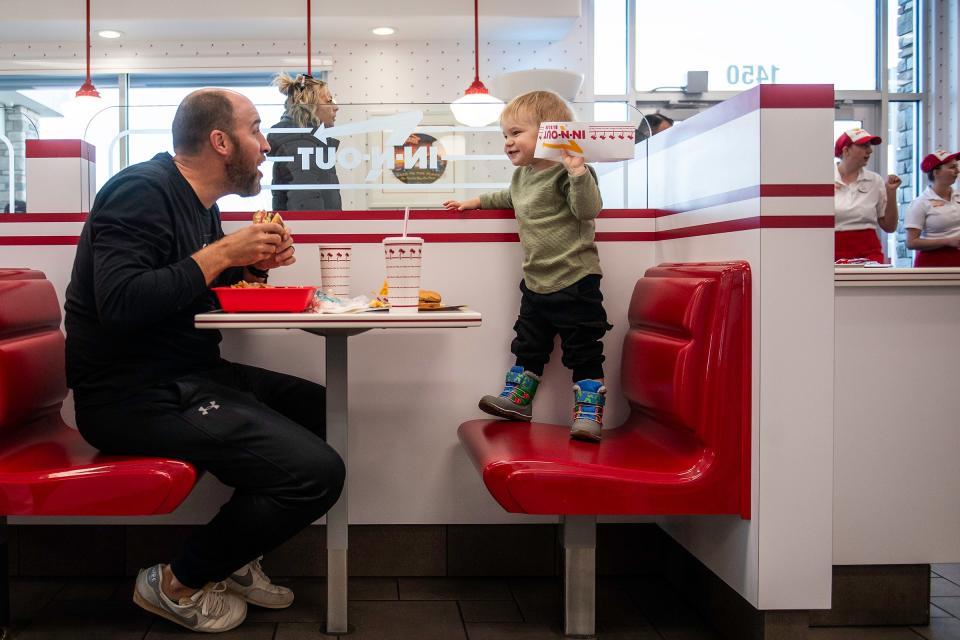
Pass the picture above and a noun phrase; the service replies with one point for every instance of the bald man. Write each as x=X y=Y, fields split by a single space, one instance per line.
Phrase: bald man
x=147 y=382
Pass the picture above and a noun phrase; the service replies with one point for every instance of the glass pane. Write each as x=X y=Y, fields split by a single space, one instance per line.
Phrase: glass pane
x=389 y=155
x=742 y=43
x=903 y=158
x=901 y=45
x=609 y=47
x=19 y=126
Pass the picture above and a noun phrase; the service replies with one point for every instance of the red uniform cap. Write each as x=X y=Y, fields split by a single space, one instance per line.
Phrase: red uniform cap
x=854 y=136
x=936 y=159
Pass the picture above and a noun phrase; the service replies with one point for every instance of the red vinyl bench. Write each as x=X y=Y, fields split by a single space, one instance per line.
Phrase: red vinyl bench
x=684 y=449
x=46 y=467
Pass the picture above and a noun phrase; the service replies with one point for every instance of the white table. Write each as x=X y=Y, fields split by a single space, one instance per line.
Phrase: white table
x=336 y=328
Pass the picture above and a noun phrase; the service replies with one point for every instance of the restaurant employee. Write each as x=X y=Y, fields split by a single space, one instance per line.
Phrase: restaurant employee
x=933 y=219
x=863 y=201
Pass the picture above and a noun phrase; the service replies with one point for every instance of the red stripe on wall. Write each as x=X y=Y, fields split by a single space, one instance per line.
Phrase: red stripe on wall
x=746 y=224
x=796 y=190
x=43 y=217
x=39 y=240
x=61 y=149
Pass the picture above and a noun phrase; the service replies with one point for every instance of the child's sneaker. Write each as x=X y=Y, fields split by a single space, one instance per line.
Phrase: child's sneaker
x=515 y=402
x=589 y=396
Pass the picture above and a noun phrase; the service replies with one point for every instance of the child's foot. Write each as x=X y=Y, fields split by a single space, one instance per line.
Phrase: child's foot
x=589 y=396
x=515 y=402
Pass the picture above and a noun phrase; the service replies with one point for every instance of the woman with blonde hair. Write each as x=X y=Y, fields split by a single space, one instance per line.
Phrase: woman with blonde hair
x=310 y=105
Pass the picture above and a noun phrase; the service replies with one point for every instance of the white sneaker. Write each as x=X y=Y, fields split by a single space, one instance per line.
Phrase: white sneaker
x=253 y=585
x=212 y=609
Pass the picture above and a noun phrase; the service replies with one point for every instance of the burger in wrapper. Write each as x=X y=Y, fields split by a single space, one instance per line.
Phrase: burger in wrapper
x=427 y=299
x=265 y=216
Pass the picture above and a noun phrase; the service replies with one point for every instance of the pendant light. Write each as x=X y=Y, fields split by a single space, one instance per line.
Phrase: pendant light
x=87 y=90
x=309 y=61
x=476 y=108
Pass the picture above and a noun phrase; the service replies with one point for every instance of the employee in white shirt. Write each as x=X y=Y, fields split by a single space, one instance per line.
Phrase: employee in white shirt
x=863 y=202
x=933 y=219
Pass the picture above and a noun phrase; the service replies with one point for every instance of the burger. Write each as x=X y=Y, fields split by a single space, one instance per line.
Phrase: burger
x=428 y=300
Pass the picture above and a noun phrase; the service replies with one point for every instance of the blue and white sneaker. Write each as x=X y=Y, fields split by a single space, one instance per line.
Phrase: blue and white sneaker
x=211 y=609
x=589 y=397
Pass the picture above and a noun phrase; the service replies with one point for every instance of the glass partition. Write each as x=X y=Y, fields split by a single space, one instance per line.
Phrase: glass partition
x=388 y=156
x=18 y=127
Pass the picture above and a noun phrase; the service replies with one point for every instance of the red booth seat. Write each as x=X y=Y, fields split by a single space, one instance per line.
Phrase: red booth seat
x=46 y=468
x=685 y=446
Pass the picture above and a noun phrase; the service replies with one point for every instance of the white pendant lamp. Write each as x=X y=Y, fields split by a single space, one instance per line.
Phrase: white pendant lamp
x=476 y=108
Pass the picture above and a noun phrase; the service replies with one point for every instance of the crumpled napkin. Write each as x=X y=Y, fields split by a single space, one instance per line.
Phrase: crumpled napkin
x=326 y=303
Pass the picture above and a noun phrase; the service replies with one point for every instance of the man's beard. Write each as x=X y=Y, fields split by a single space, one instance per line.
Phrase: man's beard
x=241 y=180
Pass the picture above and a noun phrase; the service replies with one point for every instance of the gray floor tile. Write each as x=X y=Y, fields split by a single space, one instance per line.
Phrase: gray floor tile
x=937 y=612
x=302 y=631
x=454 y=589
x=540 y=599
x=943 y=587
x=949 y=571
x=949 y=604
x=497 y=631
x=862 y=633
x=72 y=619
x=373 y=589
x=247 y=631
x=88 y=589
x=29 y=595
x=405 y=620
x=941 y=629
x=490 y=611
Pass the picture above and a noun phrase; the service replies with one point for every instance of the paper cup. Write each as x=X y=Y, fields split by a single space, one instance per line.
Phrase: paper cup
x=403 y=256
x=335 y=269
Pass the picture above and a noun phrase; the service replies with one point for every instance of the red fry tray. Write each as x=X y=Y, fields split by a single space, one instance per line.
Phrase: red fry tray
x=257 y=300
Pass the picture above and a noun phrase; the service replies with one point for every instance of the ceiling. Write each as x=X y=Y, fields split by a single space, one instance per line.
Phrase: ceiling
x=52 y=21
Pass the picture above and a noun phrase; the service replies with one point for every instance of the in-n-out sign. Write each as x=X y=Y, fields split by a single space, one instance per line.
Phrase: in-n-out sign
x=351 y=157
x=397 y=128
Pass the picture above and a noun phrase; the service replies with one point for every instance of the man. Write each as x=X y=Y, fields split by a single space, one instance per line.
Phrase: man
x=146 y=382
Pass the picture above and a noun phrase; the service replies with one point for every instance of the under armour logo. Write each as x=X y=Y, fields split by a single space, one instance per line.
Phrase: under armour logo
x=205 y=410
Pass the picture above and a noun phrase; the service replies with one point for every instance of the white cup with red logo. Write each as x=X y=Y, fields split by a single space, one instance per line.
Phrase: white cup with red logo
x=335 y=269
x=403 y=256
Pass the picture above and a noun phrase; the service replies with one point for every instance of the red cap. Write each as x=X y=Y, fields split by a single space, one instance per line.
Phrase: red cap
x=854 y=136
x=936 y=159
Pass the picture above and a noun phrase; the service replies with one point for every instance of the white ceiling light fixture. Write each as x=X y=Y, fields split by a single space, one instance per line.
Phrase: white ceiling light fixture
x=476 y=108
x=383 y=31
x=110 y=33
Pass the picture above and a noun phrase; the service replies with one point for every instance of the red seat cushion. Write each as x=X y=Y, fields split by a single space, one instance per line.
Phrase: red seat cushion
x=684 y=449
x=47 y=468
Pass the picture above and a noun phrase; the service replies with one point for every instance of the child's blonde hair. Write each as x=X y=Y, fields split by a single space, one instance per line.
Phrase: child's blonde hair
x=304 y=94
x=537 y=107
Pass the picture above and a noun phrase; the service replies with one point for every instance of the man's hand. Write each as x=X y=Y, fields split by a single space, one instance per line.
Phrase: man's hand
x=253 y=244
x=283 y=255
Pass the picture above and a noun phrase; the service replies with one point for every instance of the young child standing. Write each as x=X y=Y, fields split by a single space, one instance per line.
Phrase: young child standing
x=555 y=205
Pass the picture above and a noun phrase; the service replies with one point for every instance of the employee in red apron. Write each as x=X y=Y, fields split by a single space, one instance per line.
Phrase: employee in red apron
x=863 y=201
x=933 y=219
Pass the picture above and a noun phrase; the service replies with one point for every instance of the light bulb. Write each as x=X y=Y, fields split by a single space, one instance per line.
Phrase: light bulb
x=476 y=109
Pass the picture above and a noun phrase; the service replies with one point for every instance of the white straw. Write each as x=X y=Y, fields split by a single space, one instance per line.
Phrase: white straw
x=406 y=217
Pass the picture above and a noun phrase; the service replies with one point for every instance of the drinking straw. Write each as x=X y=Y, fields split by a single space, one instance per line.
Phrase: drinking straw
x=406 y=217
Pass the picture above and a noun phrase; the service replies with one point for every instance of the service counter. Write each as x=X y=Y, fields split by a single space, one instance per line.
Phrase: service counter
x=896 y=433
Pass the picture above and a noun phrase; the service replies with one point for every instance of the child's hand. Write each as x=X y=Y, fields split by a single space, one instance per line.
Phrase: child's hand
x=458 y=205
x=574 y=164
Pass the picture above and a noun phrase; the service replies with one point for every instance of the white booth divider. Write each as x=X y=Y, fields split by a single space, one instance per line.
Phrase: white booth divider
x=743 y=180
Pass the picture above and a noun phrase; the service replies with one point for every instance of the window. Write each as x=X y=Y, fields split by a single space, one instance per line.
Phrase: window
x=741 y=43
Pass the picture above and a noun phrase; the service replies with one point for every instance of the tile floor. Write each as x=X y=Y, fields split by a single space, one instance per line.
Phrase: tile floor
x=428 y=609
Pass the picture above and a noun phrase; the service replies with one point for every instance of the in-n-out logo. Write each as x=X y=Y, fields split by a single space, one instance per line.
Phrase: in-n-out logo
x=397 y=127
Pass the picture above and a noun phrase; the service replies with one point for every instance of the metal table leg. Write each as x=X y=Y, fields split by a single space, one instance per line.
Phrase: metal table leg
x=336 y=347
x=580 y=575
